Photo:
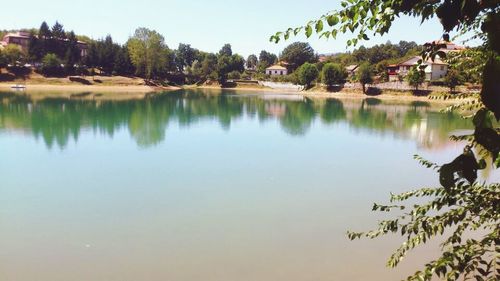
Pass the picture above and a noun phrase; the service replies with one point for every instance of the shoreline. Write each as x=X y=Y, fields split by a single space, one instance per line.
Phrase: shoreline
x=140 y=91
x=391 y=95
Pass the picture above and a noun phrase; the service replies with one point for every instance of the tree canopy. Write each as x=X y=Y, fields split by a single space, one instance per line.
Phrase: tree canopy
x=298 y=53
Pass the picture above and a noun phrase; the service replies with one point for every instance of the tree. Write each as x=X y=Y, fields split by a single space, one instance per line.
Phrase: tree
x=122 y=64
x=44 y=31
x=58 y=31
x=461 y=207
x=415 y=77
x=51 y=65
x=149 y=53
x=298 y=53
x=364 y=75
x=266 y=59
x=307 y=73
x=252 y=61
x=453 y=79
x=13 y=55
x=73 y=54
x=237 y=63
x=209 y=65
x=185 y=56
x=226 y=50
x=223 y=68
x=333 y=73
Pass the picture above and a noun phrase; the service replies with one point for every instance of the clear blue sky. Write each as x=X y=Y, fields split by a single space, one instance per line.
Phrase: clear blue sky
x=204 y=24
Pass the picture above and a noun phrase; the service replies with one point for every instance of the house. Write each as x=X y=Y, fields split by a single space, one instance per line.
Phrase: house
x=434 y=70
x=276 y=70
x=22 y=39
x=450 y=46
x=351 y=69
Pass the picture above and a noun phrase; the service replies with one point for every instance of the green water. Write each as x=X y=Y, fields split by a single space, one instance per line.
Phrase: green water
x=207 y=185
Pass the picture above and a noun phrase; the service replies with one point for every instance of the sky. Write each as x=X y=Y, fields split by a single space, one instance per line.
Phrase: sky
x=205 y=24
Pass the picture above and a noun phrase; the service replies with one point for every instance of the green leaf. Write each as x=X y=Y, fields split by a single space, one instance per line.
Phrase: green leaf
x=308 y=31
x=334 y=33
x=332 y=20
x=319 y=26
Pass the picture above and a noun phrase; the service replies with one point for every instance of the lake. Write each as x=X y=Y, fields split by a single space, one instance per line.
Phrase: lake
x=207 y=185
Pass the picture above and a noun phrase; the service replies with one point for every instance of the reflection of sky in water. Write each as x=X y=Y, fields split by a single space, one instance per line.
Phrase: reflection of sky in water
x=259 y=190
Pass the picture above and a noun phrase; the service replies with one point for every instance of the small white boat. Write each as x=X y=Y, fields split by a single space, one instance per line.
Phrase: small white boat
x=18 y=87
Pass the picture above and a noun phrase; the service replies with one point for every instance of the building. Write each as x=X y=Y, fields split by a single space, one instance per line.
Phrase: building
x=22 y=39
x=276 y=70
x=450 y=46
x=434 y=70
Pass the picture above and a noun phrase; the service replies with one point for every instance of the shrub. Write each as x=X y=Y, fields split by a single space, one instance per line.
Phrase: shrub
x=452 y=79
x=234 y=75
x=51 y=65
x=306 y=74
x=415 y=77
x=333 y=73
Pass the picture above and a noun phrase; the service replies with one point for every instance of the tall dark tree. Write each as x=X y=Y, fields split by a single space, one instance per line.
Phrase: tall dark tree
x=252 y=61
x=266 y=59
x=72 y=55
x=44 y=31
x=298 y=53
x=58 y=31
x=35 y=48
x=122 y=64
x=226 y=50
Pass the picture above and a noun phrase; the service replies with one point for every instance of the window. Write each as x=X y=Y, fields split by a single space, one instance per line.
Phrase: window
x=281 y=72
x=442 y=67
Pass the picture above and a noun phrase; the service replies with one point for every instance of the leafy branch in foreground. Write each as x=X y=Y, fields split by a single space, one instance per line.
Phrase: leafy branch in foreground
x=461 y=206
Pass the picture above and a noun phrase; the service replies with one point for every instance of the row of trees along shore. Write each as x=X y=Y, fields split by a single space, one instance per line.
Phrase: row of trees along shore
x=55 y=52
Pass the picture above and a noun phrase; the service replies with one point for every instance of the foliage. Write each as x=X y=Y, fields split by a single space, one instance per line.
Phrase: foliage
x=462 y=206
x=226 y=50
x=298 y=53
x=266 y=59
x=252 y=61
x=415 y=77
x=185 y=55
x=469 y=63
x=149 y=53
x=364 y=75
x=452 y=79
x=234 y=75
x=306 y=74
x=13 y=55
x=51 y=65
x=332 y=74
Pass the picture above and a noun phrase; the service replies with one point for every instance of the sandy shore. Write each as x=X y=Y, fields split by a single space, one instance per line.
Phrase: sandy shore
x=140 y=91
x=344 y=94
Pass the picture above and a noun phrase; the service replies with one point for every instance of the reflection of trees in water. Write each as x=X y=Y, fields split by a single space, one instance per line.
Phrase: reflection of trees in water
x=57 y=121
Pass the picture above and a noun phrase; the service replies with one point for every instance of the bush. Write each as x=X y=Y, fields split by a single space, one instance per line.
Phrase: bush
x=415 y=77
x=234 y=75
x=306 y=74
x=51 y=65
x=452 y=79
x=333 y=73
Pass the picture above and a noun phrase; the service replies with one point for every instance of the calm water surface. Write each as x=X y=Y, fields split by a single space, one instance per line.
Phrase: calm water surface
x=193 y=186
